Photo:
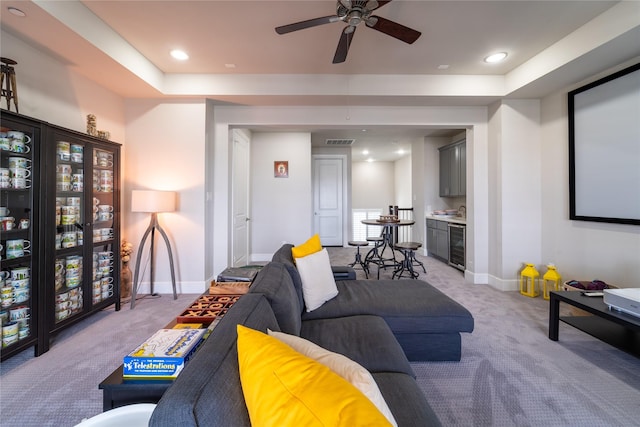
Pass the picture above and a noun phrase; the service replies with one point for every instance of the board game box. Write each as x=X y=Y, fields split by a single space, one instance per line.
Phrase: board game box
x=163 y=355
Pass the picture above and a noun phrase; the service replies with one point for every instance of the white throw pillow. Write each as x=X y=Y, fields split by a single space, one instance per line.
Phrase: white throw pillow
x=351 y=371
x=318 y=284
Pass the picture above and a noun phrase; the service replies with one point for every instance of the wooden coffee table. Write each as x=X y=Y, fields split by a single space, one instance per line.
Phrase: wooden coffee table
x=618 y=329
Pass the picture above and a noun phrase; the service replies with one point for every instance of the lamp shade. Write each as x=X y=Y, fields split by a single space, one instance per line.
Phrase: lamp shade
x=153 y=201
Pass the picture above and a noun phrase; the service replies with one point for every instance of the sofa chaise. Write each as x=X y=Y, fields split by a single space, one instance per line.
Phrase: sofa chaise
x=381 y=325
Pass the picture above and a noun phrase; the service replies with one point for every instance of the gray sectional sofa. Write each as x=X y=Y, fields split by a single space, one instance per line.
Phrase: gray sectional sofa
x=382 y=325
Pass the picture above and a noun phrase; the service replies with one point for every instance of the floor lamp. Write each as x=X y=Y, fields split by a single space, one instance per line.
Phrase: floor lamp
x=154 y=202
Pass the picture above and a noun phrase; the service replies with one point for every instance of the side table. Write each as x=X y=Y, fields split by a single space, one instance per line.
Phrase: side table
x=120 y=392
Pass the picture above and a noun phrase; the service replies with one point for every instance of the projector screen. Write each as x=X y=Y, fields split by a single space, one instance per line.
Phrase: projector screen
x=604 y=149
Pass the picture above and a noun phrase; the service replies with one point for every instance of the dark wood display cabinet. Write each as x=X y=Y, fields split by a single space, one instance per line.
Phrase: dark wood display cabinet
x=20 y=198
x=74 y=231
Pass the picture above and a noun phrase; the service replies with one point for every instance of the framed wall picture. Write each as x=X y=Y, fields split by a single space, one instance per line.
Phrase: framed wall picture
x=281 y=169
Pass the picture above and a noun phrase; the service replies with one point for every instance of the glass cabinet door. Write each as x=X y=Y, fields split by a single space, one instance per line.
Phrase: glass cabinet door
x=69 y=230
x=18 y=228
x=104 y=268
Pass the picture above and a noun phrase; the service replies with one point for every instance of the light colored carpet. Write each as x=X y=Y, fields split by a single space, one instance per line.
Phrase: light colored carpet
x=511 y=374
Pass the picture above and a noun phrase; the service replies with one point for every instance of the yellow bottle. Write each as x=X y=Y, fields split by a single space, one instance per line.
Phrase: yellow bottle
x=529 y=281
x=550 y=281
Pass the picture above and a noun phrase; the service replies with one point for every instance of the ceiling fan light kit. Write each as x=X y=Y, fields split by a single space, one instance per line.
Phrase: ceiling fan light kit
x=353 y=13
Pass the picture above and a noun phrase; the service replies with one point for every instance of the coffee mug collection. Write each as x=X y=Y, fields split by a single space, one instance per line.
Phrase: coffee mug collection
x=68 y=277
x=102 y=275
x=68 y=303
x=14 y=318
x=103 y=180
x=15 y=141
x=69 y=179
x=69 y=152
x=8 y=222
x=16 y=177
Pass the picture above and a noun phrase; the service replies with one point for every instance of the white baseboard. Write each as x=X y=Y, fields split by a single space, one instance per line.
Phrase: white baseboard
x=503 y=284
x=167 y=288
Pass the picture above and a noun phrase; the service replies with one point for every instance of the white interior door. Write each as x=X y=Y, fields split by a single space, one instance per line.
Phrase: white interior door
x=240 y=200
x=328 y=203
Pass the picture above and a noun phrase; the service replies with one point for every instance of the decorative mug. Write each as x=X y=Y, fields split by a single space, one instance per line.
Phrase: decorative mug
x=21 y=183
x=105 y=216
x=19 y=273
x=64 y=150
x=19 y=162
x=20 y=284
x=16 y=135
x=17 y=248
x=19 y=313
x=18 y=146
x=5 y=143
x=20 y=173
x=21 y=295
x=74 y=201
x=10 y=329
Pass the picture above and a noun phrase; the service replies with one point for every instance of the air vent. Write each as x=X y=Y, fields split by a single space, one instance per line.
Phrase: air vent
x=340 y=141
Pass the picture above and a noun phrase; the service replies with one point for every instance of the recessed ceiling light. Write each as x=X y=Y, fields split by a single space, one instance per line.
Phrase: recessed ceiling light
x=443 y=67
x=496 y=57
x=16 y=11
x=180 y=55
x=370 y=160
x=365 y=152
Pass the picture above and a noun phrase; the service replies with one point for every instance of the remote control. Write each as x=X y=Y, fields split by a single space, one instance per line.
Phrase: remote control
x=593 y=293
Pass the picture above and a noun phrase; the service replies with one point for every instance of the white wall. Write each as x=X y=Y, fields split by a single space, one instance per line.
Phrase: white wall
x=581 y=250
x=281 y=208
x=373 y=185
x=402 y=182
x=515 y=190
x=418 y=190
x=51 y=91
x=166 y=151
x=472 y=118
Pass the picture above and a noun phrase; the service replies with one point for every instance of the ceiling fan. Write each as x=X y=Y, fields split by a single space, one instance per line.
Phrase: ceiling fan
x=354 y=12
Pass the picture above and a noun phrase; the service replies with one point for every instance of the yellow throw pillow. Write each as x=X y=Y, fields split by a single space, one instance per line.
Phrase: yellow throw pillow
x=283 y=388
x=309 y=247
x=341 y=365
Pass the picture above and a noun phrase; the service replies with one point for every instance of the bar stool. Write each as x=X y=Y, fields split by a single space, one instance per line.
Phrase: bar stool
x=8 y=87
x=358 y=260
x=408 y=250
x=374 y=256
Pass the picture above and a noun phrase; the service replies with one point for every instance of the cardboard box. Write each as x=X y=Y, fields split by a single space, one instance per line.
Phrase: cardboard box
x=163 y=355
x=228 y=288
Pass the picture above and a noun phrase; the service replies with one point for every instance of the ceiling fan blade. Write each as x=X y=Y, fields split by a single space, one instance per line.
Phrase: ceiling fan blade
x=343 y=44
x=307 y=24
x=372 y=6
x=393 y=29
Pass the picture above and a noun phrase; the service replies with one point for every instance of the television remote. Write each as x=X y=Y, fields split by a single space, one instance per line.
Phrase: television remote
x=593 y=293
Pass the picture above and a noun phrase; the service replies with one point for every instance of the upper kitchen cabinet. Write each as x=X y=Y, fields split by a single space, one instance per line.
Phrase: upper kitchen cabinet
x=453 y=170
